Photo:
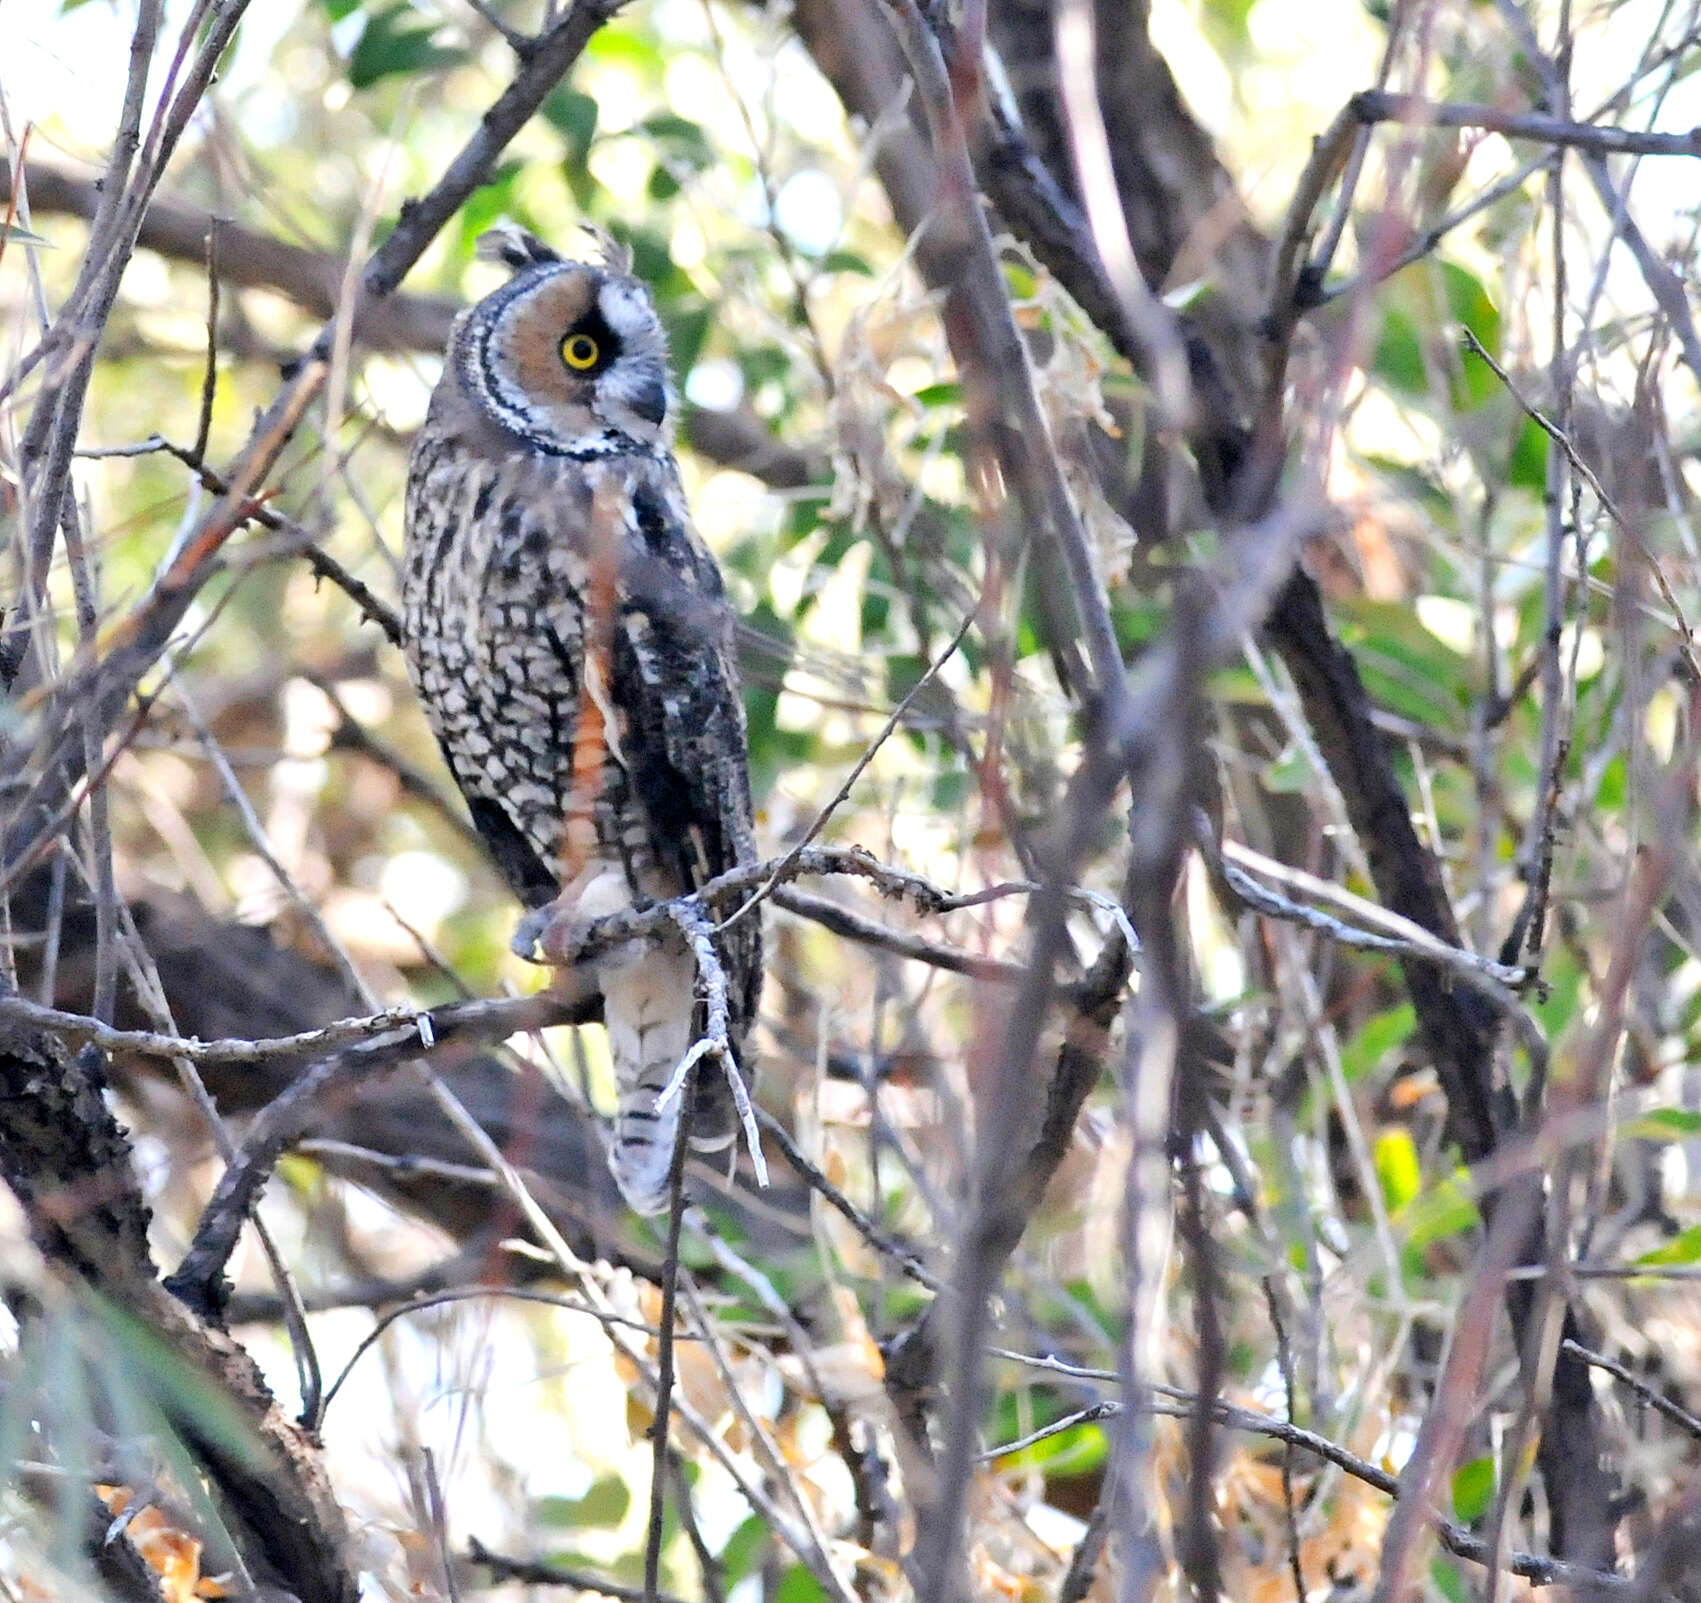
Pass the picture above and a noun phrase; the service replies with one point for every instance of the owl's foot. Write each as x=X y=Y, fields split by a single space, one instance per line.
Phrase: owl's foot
x=561 y=933
x=529 y=933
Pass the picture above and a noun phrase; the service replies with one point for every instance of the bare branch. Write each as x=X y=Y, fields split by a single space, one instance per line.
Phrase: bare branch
x=542 y=1573
x=1374 y=105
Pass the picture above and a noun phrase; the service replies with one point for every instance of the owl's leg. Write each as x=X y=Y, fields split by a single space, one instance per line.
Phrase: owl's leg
x=649 y=992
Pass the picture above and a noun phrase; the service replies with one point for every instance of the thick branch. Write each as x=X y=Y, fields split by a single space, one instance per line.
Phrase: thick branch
x=68 y=1162
x=250 y=259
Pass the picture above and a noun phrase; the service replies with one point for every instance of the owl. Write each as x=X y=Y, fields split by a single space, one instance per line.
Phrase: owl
x=569 y=636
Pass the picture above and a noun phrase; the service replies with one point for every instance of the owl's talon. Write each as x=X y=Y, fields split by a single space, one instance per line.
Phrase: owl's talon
x=563 y=939
x=554 y=935
x=529 y=932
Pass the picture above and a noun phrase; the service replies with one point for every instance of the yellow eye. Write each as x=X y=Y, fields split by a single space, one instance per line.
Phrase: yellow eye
x=580 y=351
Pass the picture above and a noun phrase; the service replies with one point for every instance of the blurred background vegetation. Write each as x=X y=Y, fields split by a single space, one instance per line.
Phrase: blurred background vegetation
x=289 y=851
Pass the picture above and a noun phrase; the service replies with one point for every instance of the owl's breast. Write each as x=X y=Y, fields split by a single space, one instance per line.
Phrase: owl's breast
x=493 y=589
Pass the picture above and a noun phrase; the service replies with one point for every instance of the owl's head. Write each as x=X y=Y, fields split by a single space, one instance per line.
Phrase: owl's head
x=568 y=355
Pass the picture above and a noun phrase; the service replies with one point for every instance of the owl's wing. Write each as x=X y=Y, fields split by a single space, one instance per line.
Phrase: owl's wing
x=516 y=857
x=684 y=744
x=683 y=740
x=675 y=689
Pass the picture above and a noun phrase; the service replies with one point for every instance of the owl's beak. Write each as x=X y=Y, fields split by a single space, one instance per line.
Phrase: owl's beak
x=649 y=400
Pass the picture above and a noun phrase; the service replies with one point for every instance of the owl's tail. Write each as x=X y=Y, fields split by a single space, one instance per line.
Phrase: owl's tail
x=650 y=1009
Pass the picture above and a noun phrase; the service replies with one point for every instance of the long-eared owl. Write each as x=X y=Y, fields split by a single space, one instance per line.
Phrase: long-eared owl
x=569 y=636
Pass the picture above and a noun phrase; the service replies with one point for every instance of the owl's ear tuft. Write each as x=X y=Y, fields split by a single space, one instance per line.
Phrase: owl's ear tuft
x=514 y=247
x=617 y=258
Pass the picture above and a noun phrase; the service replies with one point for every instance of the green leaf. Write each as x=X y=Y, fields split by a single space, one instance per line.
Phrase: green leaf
x=1080 y=1450
x=1564 y=992
x=1378 y=1037
x=1664 y=1124
x=1418 y=351
x=574 y=117
x=604 y=1505
x=743 y=1550
x=1683 y=1248
x=845 y=261
x=11 y=231
x=1406 y=668
x=1289 y=774
x=678 y=137
x=394 y=41
x=1528 y=467
x=1399 y=355
x=1613 y=788
x=1446 y=1209
x=949 y=788
x=1189 y=297
x=1020 y=280
x=799 y=1586
x=876 y=608
x=1473 y=1489
x=652 y=261
x=949 y=394
x=487 y=204
x=168 y=1380
x=1472 y=308
x=687 y=329
x=1398 y=1168
x=1225 y=26
x=625 y=47
x=1448 y=1581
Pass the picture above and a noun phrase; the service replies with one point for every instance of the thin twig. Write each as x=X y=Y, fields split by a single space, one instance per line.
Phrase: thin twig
x=489 y=1019
x=439 y=1299
x=440 y=1526
x=1375 y=105
x=1492 y=979
x=541 y=1572
x=1084 y=1561
x=1661 y=1404
x=210 y=378
x=708 y=1563
x=715 y=1041
x=496 y=1018
x=1554 y=432
x=1284 y=1362
x=664 y=1353
x=784 y=866
x=1163 y=353
x=836 y=1199
x=1178 y=1404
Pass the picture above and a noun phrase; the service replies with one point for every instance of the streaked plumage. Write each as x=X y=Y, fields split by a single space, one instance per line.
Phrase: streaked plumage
x=547 y=533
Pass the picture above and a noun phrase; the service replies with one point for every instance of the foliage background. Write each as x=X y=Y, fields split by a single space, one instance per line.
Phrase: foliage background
x=280 y=827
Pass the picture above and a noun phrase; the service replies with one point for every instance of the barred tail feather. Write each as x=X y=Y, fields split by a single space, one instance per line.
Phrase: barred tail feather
x=650 y=1009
